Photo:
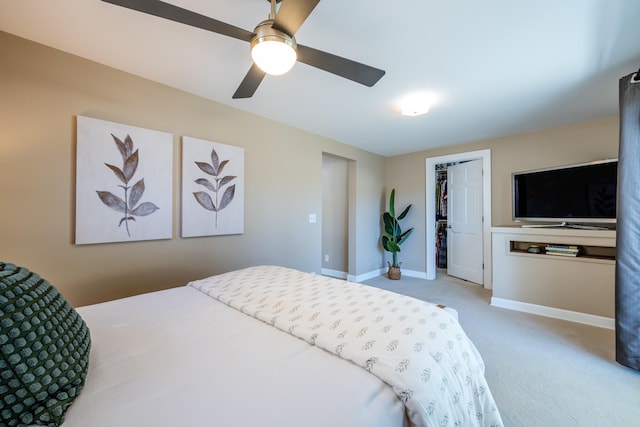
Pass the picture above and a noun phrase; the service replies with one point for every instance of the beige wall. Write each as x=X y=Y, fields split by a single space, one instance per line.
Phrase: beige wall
x=583 y=142
x=335 y=213
x=43 y=90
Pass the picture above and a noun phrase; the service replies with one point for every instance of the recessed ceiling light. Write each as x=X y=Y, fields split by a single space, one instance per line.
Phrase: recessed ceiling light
x=415 y=105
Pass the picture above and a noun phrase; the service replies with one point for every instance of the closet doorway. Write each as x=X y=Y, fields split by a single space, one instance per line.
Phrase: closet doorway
x=479 y=267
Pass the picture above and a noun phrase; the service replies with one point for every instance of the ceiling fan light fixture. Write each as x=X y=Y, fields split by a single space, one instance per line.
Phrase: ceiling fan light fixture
x=272 y=50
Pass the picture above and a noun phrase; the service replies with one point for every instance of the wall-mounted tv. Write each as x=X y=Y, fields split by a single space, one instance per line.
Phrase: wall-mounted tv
x=575 y=194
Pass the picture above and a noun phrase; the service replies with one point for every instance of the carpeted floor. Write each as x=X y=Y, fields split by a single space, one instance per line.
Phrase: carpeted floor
x=542 y=372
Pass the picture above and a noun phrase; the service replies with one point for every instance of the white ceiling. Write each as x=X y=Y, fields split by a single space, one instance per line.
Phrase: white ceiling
x=494 y=67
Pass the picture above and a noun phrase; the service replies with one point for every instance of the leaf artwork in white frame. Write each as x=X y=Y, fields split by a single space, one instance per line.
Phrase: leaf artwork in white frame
x=212 y=188
x=124 y=183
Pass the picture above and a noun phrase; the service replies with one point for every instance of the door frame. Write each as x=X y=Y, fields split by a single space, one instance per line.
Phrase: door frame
x=431 y=163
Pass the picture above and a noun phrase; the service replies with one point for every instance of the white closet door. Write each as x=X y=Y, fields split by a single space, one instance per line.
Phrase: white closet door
x=464 y=234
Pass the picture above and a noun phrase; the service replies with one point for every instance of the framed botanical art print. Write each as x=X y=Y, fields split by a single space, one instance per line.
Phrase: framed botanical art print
x=123 y=183
x=212 y=188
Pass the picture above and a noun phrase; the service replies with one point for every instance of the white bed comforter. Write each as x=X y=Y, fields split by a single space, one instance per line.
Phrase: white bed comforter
x=180 y=358
x=415 y=347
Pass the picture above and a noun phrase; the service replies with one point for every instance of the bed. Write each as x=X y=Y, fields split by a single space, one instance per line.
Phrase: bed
x=273 y=346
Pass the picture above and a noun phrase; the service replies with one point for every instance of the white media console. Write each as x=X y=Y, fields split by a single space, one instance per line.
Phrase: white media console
x=577 y=288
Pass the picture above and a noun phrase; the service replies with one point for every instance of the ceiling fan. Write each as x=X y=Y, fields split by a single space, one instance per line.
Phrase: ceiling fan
x=278 y=30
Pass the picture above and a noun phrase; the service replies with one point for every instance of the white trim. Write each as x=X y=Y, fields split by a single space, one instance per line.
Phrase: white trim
x=431 y=163
x=333 y=273
x=383 y=271
x=366 y=276
x=556 y=313
x=412 y=273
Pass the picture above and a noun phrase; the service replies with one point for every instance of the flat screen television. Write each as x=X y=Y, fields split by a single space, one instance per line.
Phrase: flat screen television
x=568 y=195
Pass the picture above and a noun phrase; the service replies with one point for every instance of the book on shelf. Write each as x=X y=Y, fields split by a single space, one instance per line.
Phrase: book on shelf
x=566 y=250
x=561 y=247
x=562 y=250
x=573 y=254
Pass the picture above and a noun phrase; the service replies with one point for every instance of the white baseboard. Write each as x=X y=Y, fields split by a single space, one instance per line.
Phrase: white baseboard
x=382 y=271
x=416 y=274
x=556 y=313
x=334 y=273
x=366 y=276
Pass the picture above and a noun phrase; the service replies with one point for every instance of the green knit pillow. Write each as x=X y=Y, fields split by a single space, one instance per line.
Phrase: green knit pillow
x=44 y=350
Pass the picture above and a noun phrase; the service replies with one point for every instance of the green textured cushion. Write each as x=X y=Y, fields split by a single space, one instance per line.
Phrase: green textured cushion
x=44 y=350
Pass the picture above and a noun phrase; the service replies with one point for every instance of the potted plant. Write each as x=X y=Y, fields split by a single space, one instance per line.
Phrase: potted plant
x=393 y=236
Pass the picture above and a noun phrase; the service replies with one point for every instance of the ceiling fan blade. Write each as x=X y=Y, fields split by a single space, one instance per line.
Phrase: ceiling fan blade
x=292 y=14
x=352 y=70
x=184 y=16
x=250 y=83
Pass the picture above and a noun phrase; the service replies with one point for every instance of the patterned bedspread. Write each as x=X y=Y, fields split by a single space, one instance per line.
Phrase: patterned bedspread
x=413 y=346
